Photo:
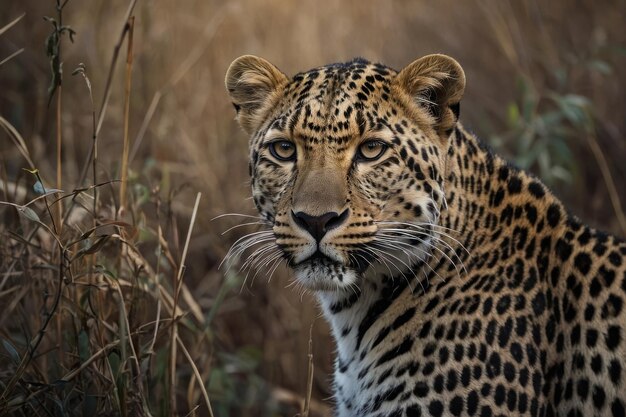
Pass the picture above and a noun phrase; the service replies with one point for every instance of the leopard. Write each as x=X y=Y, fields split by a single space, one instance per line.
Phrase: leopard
x=454 y=283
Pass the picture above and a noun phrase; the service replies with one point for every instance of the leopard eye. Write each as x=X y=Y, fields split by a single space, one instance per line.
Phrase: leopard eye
x=371 y=150
x=283 y=150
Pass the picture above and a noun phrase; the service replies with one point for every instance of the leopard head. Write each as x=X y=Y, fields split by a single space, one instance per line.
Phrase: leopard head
x=347 y=162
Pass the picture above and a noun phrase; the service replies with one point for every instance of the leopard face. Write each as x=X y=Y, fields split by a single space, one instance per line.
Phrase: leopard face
x=347 y=162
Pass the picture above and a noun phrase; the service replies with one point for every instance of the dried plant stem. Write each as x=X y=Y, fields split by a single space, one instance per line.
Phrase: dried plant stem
x=174 y=331
x=11 y=24
x=129 y=67
x=608 y=180
x=197 y=374
x=94 y=161
x=172 y=360
x=10 y=57
x=18 y=141
x=126 y=336
x=59 y=183
x=59 y=130
x=81 y=70
x=309 y=384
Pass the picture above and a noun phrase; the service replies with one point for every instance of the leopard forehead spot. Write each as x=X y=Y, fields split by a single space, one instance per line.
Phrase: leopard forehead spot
x=454 y=283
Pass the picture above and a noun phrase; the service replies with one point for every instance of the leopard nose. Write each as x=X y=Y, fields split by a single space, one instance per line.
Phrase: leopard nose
x=318 y=226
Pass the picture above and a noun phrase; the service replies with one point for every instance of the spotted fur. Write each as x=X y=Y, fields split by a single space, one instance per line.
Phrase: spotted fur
x=455 y=284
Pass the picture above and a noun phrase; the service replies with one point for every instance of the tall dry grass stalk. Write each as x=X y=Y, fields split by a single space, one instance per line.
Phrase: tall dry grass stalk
x=126 y=146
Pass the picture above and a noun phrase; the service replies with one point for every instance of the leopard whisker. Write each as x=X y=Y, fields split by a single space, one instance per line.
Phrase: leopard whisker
x=417 y=224
x=398 y=259
x=278 y=262
x=390 y=241
x=241 y=225
x=269 y=259
x=430 y=225
x=403 y=232
x=245 y=242
x=238 y=215
x=258 y=254
x=434 y=236
x=435 y=248
x=382 y=261
x=425 y=263
x=237 y=252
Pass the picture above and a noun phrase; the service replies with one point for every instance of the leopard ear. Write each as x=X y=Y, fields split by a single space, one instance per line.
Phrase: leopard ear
x=435 y=82
x=254 y=85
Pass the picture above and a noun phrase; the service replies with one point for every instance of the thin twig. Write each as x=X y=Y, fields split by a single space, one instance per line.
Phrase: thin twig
x=59 y=130
x=18 y=140
x=83 y=72
x=174 y=331
x=134 y=358
x=309 y=384
x=186 y=247
x=10 y=24
x=125 y=148
x=197 y=374
x=10 y=57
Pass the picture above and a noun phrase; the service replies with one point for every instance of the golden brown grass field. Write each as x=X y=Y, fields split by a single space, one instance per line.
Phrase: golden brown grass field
x=111 y=301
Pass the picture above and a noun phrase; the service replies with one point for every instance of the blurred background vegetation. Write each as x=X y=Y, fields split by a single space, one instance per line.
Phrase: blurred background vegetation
x=88 y=300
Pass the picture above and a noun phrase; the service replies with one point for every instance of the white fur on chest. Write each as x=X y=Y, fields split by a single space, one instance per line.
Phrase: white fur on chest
x=349 y=393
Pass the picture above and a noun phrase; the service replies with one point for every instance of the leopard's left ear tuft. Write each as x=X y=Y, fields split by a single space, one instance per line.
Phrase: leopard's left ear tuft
x=254 y=85
x=435 y=82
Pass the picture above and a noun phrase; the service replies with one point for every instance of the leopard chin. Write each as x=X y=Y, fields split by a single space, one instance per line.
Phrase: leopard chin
x=323 y=274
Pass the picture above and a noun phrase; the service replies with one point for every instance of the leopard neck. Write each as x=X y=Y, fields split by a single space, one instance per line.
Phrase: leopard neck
x=488 y=203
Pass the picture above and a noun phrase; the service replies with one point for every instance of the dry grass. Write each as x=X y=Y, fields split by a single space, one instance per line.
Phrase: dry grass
x=124 y=311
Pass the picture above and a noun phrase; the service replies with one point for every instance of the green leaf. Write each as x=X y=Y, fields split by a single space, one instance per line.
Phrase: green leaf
x=551 y=118
x=29 y=213
x=15 y=357
x=52 y=51
x=577 y=100
x=93 y=248
x=575 y=108
x=90 y=405
x=601 y=67
x=83 y=346
x=561 y=76
x=561 y=173
x=86 y=234
x=101 y=269
x=40 y=189
x=114 y=361
x=513 y=115
x=99 y=243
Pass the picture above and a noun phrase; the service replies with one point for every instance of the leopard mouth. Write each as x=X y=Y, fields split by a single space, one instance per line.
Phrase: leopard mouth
x=318 y=258
x=320 y=272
